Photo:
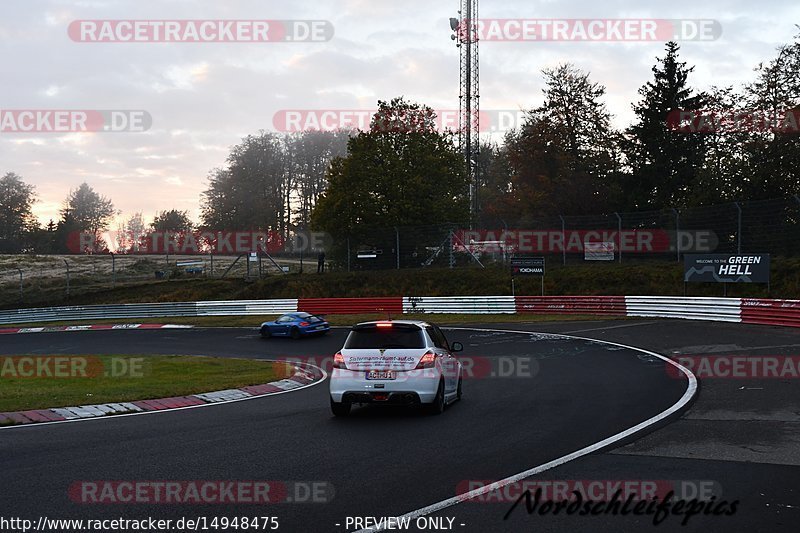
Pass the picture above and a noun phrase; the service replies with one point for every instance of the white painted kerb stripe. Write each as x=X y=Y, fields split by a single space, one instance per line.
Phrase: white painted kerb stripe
x=72 y=417
x=691 y=390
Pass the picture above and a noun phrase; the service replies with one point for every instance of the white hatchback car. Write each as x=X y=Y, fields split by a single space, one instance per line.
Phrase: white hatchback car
x=395 y=362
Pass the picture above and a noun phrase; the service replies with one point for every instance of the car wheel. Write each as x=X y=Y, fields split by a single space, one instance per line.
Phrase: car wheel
x=438 y=405
x=340 y=408
x=265 y=333
x=295 y=333
x=458 y=389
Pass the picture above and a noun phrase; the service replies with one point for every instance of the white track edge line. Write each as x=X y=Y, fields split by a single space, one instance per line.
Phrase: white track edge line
x=211 y=404
x=691 y=390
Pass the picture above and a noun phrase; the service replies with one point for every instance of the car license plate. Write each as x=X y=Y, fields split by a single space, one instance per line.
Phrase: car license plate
x=381 y=374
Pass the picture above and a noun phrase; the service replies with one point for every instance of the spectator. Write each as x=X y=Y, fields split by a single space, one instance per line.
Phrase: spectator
x=321 y=263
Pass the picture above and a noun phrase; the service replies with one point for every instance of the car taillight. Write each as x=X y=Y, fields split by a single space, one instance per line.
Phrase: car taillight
x=338 y=361
x=428 y=361
x=304 y=324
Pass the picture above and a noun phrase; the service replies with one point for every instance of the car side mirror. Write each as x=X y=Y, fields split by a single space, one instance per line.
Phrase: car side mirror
x=457 y=347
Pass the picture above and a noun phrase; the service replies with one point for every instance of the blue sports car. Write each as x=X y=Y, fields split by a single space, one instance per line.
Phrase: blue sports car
x=295 y=325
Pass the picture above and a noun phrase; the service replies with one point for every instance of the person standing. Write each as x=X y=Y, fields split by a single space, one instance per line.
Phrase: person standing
x=321 y=263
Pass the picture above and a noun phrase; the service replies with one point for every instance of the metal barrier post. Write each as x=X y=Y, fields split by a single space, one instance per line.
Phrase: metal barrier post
x=451 y=258
x=739 y=230
x=677 y=234
x=113 y=270
x=67 y=264
x=397 y=246
x=20 y=285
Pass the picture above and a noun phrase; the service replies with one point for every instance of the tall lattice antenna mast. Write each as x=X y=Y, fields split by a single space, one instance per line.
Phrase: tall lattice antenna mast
x=465 y=29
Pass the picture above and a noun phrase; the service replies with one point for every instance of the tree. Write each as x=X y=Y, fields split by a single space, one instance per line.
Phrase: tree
x=90 y=211
x=401 y=172
x=574 y=103
x=540 y=173
x=563 y=159
x=725 y=169
x=310 y=154
x=271 y=182
x=131 y=234
x=775 y=155
x=172 y=221
x=16 y=215
x=66 y=238
x=250 y=192
x=664 y=162
x=495 y=182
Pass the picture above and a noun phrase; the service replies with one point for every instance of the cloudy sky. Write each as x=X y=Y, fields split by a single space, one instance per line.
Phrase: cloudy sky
x=204 y=97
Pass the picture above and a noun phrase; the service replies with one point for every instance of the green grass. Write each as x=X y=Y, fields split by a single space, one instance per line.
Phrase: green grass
x=146 y=377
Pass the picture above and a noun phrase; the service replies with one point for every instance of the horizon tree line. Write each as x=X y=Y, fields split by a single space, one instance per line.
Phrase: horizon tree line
x=566 y=158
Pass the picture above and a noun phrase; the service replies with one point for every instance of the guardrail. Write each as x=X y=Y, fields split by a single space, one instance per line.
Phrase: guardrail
x=153 y=310
x=245 y=307
x=718 y=309
x=771 y=312
x=351 y=306
x=464 y=305
x=571 y=305
x=746 y=310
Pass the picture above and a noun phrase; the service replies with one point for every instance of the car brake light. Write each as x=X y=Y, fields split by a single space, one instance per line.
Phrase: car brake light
x=304 y=324
x=338 y=361
x=427 y=361
x=384 y=324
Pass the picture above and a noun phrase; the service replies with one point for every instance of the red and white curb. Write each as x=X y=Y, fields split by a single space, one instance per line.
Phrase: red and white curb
x=303 y=377
x=90 y=327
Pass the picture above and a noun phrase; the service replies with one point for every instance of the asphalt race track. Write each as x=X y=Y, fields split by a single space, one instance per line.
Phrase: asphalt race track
x=535 y=398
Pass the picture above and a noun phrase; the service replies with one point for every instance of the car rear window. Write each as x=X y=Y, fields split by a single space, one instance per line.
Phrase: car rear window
x=308 y=317
x=396 y=336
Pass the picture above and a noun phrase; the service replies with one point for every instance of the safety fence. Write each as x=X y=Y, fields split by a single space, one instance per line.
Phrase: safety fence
x=744 y=310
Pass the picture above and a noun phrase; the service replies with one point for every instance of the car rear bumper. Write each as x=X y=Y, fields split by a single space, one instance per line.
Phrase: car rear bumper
x=383 y=398
x=409 y=387
x=315 y=331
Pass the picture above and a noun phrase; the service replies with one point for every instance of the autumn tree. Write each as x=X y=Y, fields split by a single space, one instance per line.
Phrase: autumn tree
x=401 y=172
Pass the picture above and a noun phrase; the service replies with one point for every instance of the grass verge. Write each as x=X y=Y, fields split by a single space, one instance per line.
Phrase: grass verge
x=108 y=379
